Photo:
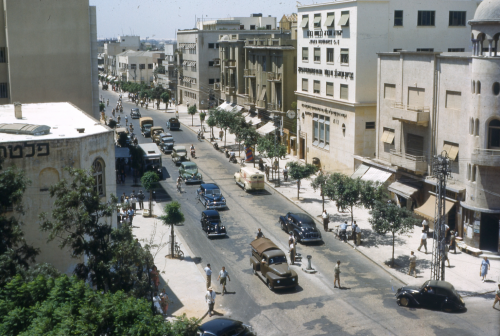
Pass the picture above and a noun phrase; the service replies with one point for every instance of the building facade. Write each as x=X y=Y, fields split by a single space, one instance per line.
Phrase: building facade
x=337 y=67
x=137 y=66
x=113 y=48
x=42 y=140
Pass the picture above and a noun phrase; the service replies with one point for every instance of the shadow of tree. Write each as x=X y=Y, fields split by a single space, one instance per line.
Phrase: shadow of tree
x=370 y=238
x=402 y=264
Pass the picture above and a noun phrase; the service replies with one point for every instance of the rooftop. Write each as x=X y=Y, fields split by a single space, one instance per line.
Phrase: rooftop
x=63 y=119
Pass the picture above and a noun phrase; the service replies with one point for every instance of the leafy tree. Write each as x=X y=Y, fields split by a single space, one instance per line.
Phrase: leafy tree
x=202 y=118
x=211 y=122
x=112 y=123
x=387 y=217
x=224 y=120
x=173 y=216
x=320 y=183
x=192 y=111
x=149 y=181
x=101 y=107
x=156 y=94
x=122 y=140
x=165 y=97
x=298 y=171
x=269 y=148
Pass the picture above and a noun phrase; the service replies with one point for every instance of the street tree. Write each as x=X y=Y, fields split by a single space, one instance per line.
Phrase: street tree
x=112 y=123
x=101 y=107
x=155 y=94
x=298 y=171
x=149 y=181
x=387 y=217
x=270 y=148
x=320 y=182
x=122 y=140
x=202 y=118
x=192 y=111
x=165 y=97
x=211 y=122
x=173 y=216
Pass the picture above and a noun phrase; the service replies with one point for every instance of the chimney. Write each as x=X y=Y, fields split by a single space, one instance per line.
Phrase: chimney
x=18 y=110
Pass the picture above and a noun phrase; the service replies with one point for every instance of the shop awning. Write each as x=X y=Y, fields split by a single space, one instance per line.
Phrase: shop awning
x=376 y=175
x=344 y=20
x=122 y=152
x=305 y=21
x=253 y=120
x=230 y=107
x=266 y=129
x=428 y=210
x=360 y=171
x=402 y=189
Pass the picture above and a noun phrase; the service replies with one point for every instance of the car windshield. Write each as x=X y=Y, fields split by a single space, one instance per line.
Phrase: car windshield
x=167 y=139
x=215 y=192
x=425 y=284
x=181 y=151
x=277 y=260
x=190 y=166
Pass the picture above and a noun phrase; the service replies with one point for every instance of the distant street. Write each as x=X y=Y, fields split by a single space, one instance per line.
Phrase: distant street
x=364 y=306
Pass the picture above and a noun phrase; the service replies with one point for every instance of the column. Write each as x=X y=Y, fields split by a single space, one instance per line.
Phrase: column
x=490 y=48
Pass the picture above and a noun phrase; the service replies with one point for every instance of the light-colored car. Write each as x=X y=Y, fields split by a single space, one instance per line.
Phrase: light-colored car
x=179 y=154
x=250 y=178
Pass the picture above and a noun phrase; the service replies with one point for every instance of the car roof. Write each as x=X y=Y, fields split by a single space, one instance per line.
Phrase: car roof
x=219 y=325
x=211 y=213
x=135 y=109
x=302 y=217
x=274 y=253
x=209 y=186
x=179 y=148
x=188 y=163
x=162 y=135
x=440 y=284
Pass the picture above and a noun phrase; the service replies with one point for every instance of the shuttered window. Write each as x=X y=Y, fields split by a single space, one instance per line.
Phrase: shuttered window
x=329 y=89
x=344 y=56
x=388 y=136
x=414 y=144
x=416 y=97
x=454 y=100
x=451 y=149
x=344 y=91
x=316 y=86
x=305 y=84
x=317 y=54
x=330 y=20
x=305 y=53
x=389 y=91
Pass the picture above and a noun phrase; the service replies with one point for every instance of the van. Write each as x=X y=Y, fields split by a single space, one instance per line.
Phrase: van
x=250 y=178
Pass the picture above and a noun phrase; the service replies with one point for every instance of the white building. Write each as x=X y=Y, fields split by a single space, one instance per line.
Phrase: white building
x=43 y=139
x=137 y=66
x=337 y=67
x=254 y=22
x=113 y=48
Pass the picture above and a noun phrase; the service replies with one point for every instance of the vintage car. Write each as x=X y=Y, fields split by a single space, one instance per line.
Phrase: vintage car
x=155 y=133
x=179 y=154
x=249 y=179
x=211 y=223
x=303 y=227
x=166 y=143
x=225 y=327
x=434 y=294
x=134 y=113
x=210 y=196
x=188 y=171
x=173 y=124
x=145 y=124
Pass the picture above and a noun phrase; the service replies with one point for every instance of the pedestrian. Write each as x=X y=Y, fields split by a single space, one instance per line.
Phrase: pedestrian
x=336 y=271
x=326 y=220
x=141 y=198
x=485 y=266
x=156 y=302
x=266 y=169
x=210 y=298
x=453 y=243
x=221 y=134
x=222 y=278
x=122 y=198
x=413 y=264
x=208 y=272
x=353 y=231
x=425 y=225
x=358 y=235
x=130 y=214
x=127 y=203
x=155 y=277
x=107 y=103
x=343 y=231
x=445 y=258
x=497 y=297
x=260 y=234
x=291 y=244
x=423 y=241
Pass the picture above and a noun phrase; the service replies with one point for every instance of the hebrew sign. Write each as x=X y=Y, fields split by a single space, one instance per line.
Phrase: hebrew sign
x=24 y=150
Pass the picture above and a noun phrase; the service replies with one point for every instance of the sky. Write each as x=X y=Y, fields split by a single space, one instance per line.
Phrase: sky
x=159 y=19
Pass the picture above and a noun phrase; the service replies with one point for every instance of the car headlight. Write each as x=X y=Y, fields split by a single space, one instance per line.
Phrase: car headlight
x=278 y=281
x=300 y=233
x=462 y=300
x=293 y=279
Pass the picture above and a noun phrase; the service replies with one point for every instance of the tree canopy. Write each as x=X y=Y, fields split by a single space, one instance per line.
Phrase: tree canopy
x=192 y=111
x=173 y=216
x=298 y=171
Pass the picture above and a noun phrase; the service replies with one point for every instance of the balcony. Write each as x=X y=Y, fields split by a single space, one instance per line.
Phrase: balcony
x=417 y=115
x=230 y=90
x=486 y=157
x=274 y=107
x=250 y=101
x=274 y=76
x=217 y=63
x=417 y=164
x=249 y=73
x=216 y=86
x=261 y=104
x=230 y=63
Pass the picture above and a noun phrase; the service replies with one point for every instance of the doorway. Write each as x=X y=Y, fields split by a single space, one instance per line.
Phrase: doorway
x=302 y=149
x=488 y=237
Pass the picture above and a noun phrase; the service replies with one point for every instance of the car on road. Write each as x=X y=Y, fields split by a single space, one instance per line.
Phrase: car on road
x=173 y=124
x=303 y=227
x=188 y=171
x=166 y=143
x=225 y=327
x=210 y=196
x=156 y=132
x=434 y=294
x=134 y=113
x=211 y=223
x=179 y=154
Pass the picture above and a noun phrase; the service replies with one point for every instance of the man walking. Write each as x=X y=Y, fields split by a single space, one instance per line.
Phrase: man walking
x=208 y=272
x=221 y=134
x=141 y=197
x=222 y=278
x=343 y=232
x=336 y=270
x=326 y=220
x=413 y=264
x=497 y=297
x=210 y=298
x=358 y=235
x=453 y=243
x=260 y=234
x=423 y=241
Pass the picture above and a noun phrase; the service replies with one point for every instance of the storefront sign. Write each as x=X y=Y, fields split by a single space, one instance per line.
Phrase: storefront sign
x=25 y=150
x=469 y=232
x=321 y=33
x=325 y=110
x=343 y=74
x=336 y=42
x=310 y=70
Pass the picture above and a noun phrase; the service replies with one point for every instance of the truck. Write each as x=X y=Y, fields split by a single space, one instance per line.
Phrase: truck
x=173 y=124
x=269 y=263
x=155 y=133
x=151 y=158
x=146 y=123
x=249 y=178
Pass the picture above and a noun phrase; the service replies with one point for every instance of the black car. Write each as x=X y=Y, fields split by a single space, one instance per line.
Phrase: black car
x=134 y=113
x=225 y=327
x=211 y=223
x=434 y=294
x=210 y=196
x=303 y=227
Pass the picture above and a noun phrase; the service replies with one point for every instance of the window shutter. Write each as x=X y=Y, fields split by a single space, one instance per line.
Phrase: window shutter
x=329 y=89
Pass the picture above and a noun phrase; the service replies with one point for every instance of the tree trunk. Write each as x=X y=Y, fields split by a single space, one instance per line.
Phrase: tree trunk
x=150 y=201
x=392 y=263
x=172 y=241
x=225 y=137
x=298 y=188
x=192 y=120
x=323 y=198
x=352 y=215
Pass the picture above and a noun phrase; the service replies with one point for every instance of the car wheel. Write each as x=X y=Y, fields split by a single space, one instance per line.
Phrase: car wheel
x=446 y=307
x=283 y=226
x=404 y=301
x=269 y=285
x=297 y=237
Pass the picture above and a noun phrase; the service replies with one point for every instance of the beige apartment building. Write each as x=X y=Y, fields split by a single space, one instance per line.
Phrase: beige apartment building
x=48 y=53
x=137 y=66
x=113 y=48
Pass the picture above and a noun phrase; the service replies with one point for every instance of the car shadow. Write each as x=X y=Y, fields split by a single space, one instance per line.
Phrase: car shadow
x=288 y=291
x=259 y=193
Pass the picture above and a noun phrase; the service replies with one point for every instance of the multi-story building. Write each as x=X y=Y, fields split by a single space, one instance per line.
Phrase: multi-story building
x=166 y=75
x=337 y=67
x=199 y=63
x=48 y=52
x=137 y=66
x=113 y=48
x=289 y=23
x=42 y=140
x=445 y=103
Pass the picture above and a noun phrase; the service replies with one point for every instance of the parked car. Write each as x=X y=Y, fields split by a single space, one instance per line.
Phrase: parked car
x=303 y=227
x=211 y=223
x=188 y=171
x=225 y=327
x=179 y=154
x=210 y=196
x=134 y=113
x=434 y=294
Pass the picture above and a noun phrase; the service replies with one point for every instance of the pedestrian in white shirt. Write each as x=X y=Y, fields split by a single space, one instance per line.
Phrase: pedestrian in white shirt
x=358 y=235
x=223 y=275
x=326 y=220
x=208 y=272
x=210 y=299
x=423 y=241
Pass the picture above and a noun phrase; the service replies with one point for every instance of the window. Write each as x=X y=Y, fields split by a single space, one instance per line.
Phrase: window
x=344 y=56
x=476 y=127
x=469 y=167
x=398 y=18
x=211 y=46
x=473 y=174
x=494 y=134
x=388 y=136
x=370 y=125
x=471 y=126
x=473 y=88
x=416 y=97
x=389 y=91
x=211 y=81
x=315 y=129
x=133 y=66
x=317 y=20
x=344 y=19
x=414 y=145
x=3 y=55
x=478 y=87
x=150 y=66
x=496 y=88
x=317 y=55
x=457 y=19
x=329 y=89
x=269 y=27
x=305 y=53
x=252 y=27
x=316 y=86
x=397 y=50
x=425 y=49
x=210 y=63
x=98 y=173
x=456 y=49
x=4 y=93
x=142 y=66
x=217 y=46
x=454 y=100
x=305 y=22
x=330 y=20
x=321 y=131
x=329 y=55
x=426 y=18
x=264 y=63
x=344 y=91
x=305 y=84
x=451 y=150
x=242 y=27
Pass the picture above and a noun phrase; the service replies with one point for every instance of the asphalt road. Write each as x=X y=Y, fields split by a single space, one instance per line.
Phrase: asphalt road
x=364 y=306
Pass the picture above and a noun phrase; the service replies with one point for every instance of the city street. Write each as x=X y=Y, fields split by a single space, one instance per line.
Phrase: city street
x=364 y=306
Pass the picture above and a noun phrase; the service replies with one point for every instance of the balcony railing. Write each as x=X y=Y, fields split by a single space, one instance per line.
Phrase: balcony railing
x=412 y=107
x=415 y=163
x=217 y=63
x=274 y=107
x=250 y=101
x=261 y=104
x=274 y=76
x=249 y=73
x=418 y=115
x=230 y=90
x=216 y=86
x=486 y=157
x=230 y=63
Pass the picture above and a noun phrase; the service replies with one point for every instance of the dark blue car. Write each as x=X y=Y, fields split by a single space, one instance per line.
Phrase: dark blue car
x=210 y=196
x=225 y=327
x=303 y=227
x=211 y=223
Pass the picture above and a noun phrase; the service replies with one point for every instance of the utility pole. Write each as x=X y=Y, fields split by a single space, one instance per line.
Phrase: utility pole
x=277 y=124
x=441 y=171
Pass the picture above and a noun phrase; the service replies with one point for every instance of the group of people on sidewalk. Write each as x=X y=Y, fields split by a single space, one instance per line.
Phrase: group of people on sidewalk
x=129 y=206
x=210 y=294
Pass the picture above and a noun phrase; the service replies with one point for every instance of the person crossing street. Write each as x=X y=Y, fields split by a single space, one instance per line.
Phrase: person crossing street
x=210 y=299
x=413 y=264
x=223 y=275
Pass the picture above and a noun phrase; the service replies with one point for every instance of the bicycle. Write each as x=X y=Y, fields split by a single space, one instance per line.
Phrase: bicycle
x=177 y=250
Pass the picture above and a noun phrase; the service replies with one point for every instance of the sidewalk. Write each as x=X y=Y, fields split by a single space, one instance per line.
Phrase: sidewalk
x=464 y=270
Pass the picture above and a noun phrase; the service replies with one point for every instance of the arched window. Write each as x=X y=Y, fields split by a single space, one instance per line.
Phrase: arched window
x=476 y=128
x=494 y=134
x=478 y=90
x=473 y=86
x=496 y=88
x=98 y=173
x=471 y=126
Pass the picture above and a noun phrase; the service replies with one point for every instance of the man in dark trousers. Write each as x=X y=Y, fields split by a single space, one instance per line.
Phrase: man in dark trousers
x=141 y=197
x=326 y=220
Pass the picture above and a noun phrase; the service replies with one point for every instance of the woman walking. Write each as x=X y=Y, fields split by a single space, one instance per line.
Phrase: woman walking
x=485 y=266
